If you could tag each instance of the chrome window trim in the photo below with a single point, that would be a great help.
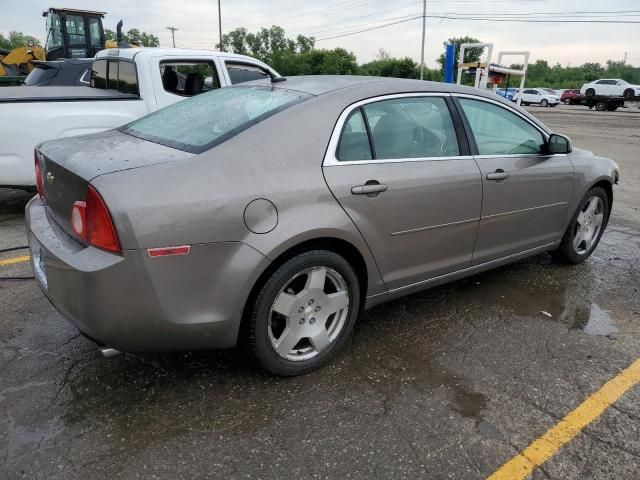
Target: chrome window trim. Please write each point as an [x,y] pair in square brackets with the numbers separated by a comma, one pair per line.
[330,158]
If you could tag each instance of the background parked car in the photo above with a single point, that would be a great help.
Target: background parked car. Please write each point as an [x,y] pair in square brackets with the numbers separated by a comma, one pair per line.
[508,94]
[125,84]
[538,96]
[610,87]
[72,72]
[569,96]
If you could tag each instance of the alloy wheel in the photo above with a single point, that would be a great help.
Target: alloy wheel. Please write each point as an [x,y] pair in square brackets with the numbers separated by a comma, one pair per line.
[309,313]
[588,225]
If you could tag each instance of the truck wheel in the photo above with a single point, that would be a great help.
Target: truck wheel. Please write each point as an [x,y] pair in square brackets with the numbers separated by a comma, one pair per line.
[590,92]
[601,106]
[628,93]
[586,228]
[544,103]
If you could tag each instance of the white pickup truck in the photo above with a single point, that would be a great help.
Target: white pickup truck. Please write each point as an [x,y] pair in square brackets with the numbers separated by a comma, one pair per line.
[125,84]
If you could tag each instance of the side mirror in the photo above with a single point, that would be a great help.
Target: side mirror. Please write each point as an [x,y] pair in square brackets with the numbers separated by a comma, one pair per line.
[558,144]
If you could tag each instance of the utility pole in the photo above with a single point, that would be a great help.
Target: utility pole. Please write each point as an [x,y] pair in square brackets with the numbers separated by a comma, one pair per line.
[424,27]
[220,25]
[625,58]
[173,35]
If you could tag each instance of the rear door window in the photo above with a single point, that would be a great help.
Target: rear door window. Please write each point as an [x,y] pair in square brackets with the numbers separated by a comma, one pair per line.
[188,78]
[119,75]
[244,72]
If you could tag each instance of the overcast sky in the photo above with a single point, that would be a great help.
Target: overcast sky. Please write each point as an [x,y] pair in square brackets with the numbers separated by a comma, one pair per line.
[197,21]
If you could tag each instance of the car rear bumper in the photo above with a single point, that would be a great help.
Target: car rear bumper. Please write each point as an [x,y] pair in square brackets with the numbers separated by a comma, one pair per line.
[136,303]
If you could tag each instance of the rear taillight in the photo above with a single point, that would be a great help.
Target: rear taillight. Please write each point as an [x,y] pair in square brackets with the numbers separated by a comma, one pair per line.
[91,222]
[38,174]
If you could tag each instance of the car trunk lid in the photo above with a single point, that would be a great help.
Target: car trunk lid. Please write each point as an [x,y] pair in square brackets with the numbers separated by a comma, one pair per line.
[68,165]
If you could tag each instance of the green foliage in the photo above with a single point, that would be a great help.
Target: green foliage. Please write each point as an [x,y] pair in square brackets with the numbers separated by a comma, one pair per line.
[16,40]
[134,36]
[290,56]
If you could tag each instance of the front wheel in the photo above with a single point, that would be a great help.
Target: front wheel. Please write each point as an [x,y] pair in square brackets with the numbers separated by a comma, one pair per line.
[628,93]
[544,102]
[304,313]
[586,228]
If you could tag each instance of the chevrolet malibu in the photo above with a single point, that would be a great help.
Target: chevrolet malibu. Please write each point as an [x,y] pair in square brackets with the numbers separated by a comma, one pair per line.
[273,213]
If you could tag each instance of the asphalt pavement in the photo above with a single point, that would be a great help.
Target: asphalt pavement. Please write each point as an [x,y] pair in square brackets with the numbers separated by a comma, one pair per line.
[448,383]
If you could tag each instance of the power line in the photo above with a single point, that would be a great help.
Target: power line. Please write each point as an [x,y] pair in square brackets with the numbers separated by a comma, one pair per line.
[369,29]
[453,16]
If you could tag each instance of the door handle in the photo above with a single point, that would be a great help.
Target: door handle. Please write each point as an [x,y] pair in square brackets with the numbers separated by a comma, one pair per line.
[498,175]
[370,188]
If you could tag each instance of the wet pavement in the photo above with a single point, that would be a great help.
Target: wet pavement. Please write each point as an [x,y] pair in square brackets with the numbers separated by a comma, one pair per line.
[448,383]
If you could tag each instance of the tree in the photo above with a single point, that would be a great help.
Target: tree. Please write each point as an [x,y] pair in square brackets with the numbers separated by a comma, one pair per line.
[269,44]
[134,36]
[391,67]
[17,40]
[470,54]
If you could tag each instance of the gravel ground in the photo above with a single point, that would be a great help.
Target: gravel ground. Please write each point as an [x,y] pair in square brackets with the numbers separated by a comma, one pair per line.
[447,383]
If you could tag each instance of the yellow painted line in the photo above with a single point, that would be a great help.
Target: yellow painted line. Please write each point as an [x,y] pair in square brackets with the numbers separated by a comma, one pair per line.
[542,449]
[9,261]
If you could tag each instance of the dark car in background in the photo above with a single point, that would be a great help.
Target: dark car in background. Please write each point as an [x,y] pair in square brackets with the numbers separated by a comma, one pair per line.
[569,97]
[72,72]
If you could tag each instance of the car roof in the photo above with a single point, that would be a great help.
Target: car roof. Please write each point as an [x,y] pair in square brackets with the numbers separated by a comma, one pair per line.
[166,52]
[322,84]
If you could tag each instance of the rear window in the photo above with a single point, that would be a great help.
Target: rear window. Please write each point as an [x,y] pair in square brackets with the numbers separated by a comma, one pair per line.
[204,121]
[115,75]
[40,75]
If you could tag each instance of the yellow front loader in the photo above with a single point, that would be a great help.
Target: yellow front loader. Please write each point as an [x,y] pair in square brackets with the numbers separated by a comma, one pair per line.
[70,34]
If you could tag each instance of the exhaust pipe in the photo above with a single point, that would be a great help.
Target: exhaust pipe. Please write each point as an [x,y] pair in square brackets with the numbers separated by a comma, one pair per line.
[108,352]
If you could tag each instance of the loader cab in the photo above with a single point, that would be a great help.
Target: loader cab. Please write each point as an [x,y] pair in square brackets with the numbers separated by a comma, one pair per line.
[73,33]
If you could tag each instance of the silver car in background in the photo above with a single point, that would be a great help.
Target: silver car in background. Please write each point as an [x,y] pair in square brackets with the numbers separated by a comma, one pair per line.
[276,212]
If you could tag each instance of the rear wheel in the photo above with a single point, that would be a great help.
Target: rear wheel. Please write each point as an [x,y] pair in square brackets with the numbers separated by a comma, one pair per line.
[628,93]
[590,92]
[601,106]
[586,228]
[304,313]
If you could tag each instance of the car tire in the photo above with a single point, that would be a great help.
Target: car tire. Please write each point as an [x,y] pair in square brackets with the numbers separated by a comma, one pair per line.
[601,106]
[583,233]
[590,92]
[544,103]
[286,308]
[628,93]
